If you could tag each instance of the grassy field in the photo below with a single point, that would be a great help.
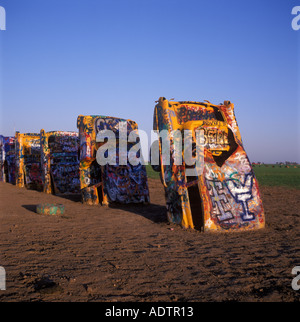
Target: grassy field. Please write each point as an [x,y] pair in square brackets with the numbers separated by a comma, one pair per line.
[267,175]
[151,173]
[273,175]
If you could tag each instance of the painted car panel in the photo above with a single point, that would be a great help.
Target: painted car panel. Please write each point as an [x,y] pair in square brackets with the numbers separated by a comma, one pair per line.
[108,183]
[28,161]
[7,159]
[60,162]
[225,196]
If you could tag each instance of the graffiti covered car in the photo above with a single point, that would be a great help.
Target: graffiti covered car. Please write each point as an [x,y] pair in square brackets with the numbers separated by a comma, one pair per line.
[7,159]
[28,161]
[60,162]
[223,194]
[108,183]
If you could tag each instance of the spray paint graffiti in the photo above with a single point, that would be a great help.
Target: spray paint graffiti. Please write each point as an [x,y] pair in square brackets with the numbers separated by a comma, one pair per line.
[108,183]
[193,112]
[60,163]
[242,193]
[7,159]
[219,201]
[225,195]
[28,161]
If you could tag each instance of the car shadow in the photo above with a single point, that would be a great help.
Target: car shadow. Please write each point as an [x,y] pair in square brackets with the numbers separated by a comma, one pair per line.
[74,197]
[155,213]
[30,207]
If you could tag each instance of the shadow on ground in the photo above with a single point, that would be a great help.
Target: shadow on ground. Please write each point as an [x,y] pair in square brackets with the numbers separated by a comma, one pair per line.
[153,212]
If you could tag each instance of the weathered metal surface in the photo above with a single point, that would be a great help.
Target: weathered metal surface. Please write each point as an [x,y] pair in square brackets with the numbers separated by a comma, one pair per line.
[7,159]
[60,162]
[108,183]
[225,195]
[28,161]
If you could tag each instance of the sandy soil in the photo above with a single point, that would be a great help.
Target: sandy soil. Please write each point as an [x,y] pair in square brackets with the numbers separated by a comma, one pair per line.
[131,253]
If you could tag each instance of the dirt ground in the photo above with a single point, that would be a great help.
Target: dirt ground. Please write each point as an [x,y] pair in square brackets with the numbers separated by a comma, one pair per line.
[131,253]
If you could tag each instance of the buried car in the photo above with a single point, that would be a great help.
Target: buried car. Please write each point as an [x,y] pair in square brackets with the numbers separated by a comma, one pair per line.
[119,182]
[7,159]
[28,161]
[60,162]
[218,193]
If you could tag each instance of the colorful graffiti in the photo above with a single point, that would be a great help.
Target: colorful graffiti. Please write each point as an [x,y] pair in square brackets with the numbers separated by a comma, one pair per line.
[28,161]
[7,159]
[59,162]
[108,183]
[225,195]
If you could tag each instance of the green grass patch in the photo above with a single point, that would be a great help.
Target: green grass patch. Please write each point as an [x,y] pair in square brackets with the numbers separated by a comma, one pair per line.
[273,175]
[267,175]
[151,173]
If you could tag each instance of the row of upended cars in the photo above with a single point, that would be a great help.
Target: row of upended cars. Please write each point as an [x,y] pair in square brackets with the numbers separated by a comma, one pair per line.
[222,196]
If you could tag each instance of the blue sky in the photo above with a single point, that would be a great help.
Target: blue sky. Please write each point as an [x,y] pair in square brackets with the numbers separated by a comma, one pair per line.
[62,58]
